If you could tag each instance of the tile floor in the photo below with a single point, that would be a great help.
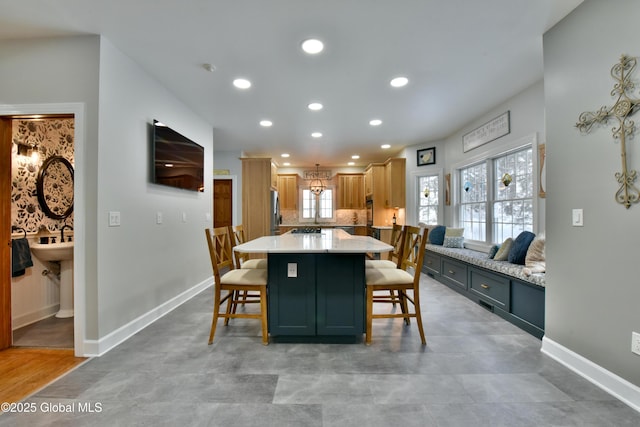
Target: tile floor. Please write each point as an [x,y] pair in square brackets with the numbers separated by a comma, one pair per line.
[50,333]
[476,370]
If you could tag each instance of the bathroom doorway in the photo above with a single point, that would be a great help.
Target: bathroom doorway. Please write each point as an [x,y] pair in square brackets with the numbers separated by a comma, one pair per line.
[42,158]
[19,324]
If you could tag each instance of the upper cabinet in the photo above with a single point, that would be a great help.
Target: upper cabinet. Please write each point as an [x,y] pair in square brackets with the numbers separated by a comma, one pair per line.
[351,191]
[395,183]
[288,191]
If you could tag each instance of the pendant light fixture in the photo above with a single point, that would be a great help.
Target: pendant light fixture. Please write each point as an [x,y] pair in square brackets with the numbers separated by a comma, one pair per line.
[317,185]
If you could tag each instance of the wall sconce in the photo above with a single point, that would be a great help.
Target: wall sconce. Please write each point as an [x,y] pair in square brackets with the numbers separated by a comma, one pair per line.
[28,151]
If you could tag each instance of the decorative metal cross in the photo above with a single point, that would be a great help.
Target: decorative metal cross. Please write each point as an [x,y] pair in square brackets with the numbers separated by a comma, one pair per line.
[624,107]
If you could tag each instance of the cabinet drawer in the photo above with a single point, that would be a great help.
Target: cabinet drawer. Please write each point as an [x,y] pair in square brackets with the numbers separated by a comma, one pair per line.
[431,263]
[491,288]
[455,272]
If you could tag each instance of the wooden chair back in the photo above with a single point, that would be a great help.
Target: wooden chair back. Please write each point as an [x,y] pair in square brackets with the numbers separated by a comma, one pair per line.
[397,234]
[238,238]
[414,241]
[219,242]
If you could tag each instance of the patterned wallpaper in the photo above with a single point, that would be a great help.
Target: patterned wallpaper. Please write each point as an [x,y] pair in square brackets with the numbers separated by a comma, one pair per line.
[54,137]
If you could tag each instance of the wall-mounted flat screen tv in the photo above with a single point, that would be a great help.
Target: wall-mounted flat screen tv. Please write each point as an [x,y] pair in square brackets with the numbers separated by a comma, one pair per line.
[177,160]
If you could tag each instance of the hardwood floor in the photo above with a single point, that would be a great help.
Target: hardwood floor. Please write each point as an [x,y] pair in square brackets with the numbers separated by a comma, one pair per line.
[26,370]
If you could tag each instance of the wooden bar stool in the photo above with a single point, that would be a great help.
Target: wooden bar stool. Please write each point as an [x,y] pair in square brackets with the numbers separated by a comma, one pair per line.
[234,281]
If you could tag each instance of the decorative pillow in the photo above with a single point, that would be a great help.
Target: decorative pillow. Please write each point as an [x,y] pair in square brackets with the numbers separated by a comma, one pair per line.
[436,235]
[454,232]
[535,259]
[518,251]
[493,250]
[453,242]
[503,252]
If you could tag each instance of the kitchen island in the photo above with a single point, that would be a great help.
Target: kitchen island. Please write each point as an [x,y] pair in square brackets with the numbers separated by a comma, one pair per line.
[316,284]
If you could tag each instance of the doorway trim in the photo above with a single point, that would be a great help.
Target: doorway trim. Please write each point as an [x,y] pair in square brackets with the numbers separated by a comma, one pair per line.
[234,195]
[79,215]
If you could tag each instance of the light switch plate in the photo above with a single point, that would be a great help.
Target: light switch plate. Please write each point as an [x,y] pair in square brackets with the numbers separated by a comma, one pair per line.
[577,218]
[158,217]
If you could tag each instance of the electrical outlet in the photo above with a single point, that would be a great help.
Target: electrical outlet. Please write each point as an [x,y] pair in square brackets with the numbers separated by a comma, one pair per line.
[292,269]
[635,343]
[114,219]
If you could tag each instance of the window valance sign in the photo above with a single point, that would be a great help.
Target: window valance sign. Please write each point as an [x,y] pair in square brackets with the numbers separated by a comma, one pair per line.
[490,131]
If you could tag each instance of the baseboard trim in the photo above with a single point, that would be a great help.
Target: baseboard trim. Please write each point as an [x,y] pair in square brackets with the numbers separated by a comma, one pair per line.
[93,348]
[34,316]
[606,380]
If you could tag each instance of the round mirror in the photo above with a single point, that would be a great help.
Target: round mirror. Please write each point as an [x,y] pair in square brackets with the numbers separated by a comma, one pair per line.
[55,187]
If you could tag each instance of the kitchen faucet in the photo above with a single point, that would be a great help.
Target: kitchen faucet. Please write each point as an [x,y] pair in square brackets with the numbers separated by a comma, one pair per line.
[62,232]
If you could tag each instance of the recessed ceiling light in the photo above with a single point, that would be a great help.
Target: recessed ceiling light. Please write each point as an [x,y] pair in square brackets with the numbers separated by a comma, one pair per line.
[285,155]
[316,134]
[351,163]
[242,83]
[312,46]
[355,157]
[286,164]
[266,123]
[399,81]
[315,106]
[385,146]
[375,122]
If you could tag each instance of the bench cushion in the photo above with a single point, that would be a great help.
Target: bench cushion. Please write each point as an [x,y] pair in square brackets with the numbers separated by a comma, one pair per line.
[481,259]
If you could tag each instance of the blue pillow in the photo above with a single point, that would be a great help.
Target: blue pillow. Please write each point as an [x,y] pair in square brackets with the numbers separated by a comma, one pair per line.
[493,251]
[436,236]
[518,252]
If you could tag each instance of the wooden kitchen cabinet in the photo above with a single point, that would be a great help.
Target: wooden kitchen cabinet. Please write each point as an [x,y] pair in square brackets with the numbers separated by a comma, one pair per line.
[395,183]
[288,191]
[257,184]
[351,191]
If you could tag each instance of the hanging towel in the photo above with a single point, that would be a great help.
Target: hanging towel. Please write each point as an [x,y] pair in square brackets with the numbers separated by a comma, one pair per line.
[20,256]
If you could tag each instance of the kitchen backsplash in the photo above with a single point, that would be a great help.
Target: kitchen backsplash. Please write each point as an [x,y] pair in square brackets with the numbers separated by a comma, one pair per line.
[343,217]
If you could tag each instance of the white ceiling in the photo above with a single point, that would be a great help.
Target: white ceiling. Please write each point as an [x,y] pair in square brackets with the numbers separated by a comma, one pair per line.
[461,57]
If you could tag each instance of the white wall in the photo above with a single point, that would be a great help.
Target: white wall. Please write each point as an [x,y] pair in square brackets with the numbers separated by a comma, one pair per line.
[592,282]
[125,273]
[527,120]
[142,264]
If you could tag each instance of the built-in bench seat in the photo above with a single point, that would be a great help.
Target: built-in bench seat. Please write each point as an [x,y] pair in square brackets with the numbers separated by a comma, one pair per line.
[481,259]
[499,286]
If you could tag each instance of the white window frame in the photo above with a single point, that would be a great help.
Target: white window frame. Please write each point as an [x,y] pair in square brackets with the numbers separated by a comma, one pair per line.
[419,195]
[488,155]
[318,220]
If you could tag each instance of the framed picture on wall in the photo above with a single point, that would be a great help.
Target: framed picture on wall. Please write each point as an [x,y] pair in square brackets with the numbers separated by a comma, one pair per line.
[427,156]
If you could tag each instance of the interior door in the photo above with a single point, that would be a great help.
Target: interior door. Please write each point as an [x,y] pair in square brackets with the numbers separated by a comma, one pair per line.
[5,233]
[222,202]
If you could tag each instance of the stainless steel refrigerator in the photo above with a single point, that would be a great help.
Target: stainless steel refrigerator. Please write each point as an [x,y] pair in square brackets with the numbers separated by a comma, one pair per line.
[276,218]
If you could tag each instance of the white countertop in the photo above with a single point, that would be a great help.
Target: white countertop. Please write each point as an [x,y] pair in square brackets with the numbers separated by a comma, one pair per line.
[328,241]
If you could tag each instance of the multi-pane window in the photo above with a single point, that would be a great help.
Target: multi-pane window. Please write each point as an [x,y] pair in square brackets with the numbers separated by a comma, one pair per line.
[473,201]
[324,210]
[513,203]
[504,208]
[428,199]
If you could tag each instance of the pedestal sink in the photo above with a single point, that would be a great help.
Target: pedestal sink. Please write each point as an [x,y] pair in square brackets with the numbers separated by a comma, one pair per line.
[62,253]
